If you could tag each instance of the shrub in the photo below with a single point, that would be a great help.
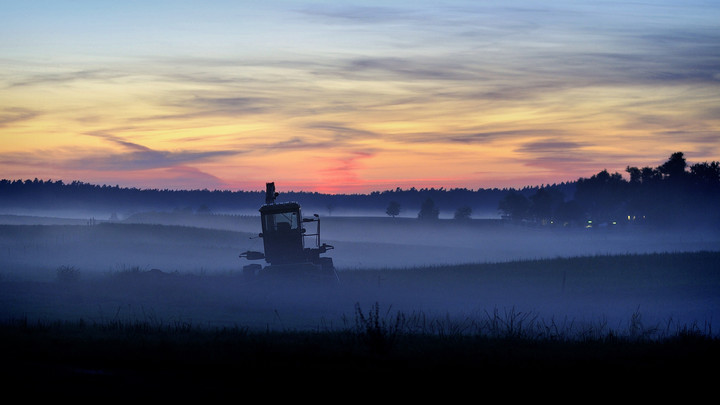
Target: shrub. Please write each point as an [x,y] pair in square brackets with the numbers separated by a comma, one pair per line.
[378,334]
[66,274]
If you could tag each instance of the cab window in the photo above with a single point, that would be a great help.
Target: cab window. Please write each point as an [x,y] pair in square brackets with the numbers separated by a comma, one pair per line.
[281,221]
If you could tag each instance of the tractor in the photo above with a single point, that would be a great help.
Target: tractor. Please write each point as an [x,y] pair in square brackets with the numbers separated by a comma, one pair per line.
[284,241]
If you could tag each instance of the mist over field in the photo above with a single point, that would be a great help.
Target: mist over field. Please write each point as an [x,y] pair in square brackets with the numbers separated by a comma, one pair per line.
[171,267]
[191,243]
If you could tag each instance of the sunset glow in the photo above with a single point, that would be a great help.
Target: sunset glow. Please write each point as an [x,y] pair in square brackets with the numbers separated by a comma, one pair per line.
[354,97]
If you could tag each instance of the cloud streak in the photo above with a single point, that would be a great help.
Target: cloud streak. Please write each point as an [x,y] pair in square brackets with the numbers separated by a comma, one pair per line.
[13,115]
[134,156]
[64,77]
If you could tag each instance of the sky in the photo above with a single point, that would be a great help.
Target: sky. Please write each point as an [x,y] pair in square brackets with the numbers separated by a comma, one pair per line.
[354,97]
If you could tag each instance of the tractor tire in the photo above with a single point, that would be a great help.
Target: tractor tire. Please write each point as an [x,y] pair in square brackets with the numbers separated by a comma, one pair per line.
[327,264]
[250,271]
[328,268]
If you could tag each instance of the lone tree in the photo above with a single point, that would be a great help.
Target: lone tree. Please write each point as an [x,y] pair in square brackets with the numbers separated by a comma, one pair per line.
[393,209]
[463,213]
[428,210]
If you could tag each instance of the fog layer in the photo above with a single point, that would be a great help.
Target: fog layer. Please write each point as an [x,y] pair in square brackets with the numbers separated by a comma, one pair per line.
[170,268]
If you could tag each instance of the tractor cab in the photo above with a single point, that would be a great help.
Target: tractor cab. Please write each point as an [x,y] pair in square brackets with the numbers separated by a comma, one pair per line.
[283,234]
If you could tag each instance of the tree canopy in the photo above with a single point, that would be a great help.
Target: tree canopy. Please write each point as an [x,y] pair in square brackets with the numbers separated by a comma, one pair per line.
[672,194]
[393,209]
[428,210]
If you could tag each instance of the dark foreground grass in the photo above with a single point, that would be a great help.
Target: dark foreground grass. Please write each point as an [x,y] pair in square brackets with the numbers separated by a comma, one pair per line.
[182,361]
[507,354]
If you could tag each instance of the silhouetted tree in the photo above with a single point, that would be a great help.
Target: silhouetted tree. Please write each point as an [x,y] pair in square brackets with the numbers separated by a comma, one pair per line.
[545,203]
[635,174]
[603,196]
[428,210]
[463,213]
[393,209]
[675,166]
[570,213]
[703,194]
[706,176]
[515,205]
[650,175]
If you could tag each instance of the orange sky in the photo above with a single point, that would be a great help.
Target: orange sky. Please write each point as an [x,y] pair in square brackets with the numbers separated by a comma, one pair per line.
[353,97]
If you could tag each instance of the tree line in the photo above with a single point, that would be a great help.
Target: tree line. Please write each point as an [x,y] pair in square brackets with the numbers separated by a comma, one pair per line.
[673,193]
[76,195]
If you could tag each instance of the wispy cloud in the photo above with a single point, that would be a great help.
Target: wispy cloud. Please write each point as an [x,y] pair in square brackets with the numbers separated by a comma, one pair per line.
[62,77]
[489,136]
[13,115]
[340,133]
[134,156]
[294,143]
[339,13]
[220,106]
[183,178]
[553,146]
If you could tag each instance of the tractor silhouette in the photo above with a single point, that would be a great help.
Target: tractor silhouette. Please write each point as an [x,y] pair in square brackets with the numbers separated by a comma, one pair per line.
[284,241]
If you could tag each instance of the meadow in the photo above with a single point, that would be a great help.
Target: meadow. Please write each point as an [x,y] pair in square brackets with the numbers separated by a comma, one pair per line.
[161,297]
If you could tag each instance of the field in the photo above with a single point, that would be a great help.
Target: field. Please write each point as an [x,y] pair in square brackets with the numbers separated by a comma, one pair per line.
[162,296]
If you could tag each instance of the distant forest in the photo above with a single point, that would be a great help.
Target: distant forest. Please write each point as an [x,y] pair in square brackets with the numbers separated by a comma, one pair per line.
[672,194]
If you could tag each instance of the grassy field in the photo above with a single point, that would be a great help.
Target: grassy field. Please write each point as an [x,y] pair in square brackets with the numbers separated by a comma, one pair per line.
[79,315]
[140,359]
[122,333]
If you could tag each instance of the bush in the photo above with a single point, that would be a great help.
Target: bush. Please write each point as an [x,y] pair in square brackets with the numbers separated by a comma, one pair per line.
[66,274]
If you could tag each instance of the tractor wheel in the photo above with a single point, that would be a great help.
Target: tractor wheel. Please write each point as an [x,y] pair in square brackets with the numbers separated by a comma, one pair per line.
[328,268]
[250,271]
[327,264]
